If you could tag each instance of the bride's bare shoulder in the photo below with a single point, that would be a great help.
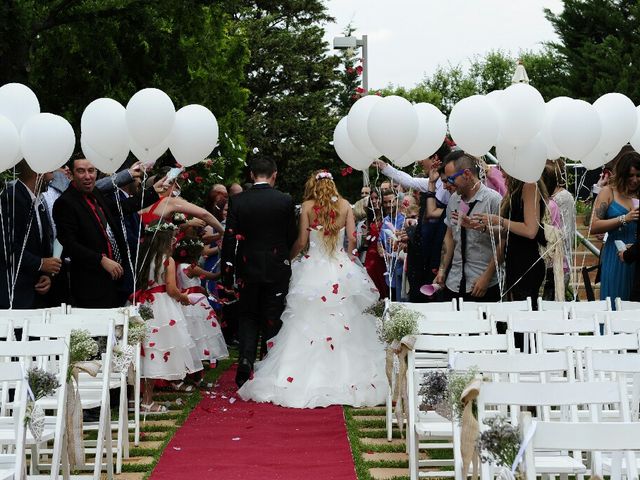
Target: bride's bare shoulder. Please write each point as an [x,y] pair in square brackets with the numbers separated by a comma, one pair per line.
[307,205]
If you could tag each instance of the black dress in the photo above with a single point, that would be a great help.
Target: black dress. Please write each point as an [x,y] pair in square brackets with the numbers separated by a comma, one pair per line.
[524,269]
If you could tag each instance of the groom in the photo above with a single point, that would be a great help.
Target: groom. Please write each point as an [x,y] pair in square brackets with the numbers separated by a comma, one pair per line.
[260,231]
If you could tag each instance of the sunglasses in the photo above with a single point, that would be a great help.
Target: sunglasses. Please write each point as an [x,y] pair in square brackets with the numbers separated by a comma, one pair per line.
[451,179]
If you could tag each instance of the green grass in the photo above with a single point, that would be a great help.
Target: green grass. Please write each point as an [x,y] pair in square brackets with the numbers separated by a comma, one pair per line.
[357,448]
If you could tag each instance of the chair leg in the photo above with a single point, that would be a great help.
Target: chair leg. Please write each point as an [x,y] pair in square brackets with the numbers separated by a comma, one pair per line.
[389,417]
[136,400]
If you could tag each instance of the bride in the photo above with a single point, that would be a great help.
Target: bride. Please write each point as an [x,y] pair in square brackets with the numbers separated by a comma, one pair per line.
[326,352]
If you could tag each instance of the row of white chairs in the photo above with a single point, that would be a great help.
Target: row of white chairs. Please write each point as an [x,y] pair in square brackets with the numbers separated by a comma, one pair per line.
[430,426]
[94,392]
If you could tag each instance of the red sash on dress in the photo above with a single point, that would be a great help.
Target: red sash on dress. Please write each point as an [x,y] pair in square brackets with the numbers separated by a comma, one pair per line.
[142,296]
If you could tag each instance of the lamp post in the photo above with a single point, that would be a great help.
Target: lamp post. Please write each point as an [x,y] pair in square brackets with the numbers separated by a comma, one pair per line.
[345,43]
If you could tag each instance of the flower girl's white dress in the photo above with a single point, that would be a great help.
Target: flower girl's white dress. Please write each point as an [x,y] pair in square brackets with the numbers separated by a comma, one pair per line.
[327,351]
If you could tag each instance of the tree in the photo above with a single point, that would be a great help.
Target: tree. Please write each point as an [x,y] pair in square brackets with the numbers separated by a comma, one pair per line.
[292,81]
[71,52]
[600,44]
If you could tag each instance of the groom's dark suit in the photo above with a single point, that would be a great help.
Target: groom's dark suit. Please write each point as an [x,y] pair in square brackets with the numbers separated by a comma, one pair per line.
[260,231]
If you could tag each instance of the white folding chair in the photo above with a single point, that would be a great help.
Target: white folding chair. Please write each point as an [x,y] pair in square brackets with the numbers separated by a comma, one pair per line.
[120,316]
[13,465]
[92,394]
[54,429]
[429,426]
[547,395]
[528,323]
[626,321]
[441,323]
[33,314]
[496,307]
[592,436]
[430,307]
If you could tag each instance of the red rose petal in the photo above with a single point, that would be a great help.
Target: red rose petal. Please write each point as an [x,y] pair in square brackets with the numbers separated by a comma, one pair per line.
[331,346]
[346,328]
[172,322]
[329,339]
[214,324]
[289,379]
[152,344]
[152,356]
[206,352]
[155,330]
[269,344]
[335,288]
[323,298]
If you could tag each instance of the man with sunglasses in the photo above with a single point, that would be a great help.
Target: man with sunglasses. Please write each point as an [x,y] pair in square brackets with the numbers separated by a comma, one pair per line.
[467,266]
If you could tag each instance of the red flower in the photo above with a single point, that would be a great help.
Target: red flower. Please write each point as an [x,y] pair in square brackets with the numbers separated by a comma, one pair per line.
[198,179]
[183,253]
[185,175]
[359,69]
[350,70]
[360,90]
[208,163]
[239,237]
[172,322]
[290,379]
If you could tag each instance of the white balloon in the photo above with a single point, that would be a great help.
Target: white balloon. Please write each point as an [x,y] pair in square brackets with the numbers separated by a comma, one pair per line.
[106,165]
[357,125]
[393,126]
[18,103]
[521,113]
[346,150]
[9,143]
[495,97]
[148,156]
[104,128]
[150,117]
[525,162]
[635,139]
[47,142]
[618,118]
[473,125]
[551,108]
[432,128]
[598,157]
[575,129]
[194,135]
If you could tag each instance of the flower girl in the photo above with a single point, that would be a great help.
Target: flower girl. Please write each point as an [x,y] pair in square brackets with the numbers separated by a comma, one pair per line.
[201,318]
[169,352]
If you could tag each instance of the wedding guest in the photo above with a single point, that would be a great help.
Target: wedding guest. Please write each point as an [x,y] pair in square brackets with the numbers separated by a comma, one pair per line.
[234,189]
[216,193]
[615,211]
[26,243]
[374,257]
[467,267]
[169,351]
[92,237]
[391,224]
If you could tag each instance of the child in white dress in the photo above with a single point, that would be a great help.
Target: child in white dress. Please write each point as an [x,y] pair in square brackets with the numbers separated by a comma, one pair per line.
[169,352]
[201,318]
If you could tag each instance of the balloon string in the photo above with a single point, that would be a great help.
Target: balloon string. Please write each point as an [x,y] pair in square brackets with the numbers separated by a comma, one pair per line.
[5,229]
[39,182]
[122,225]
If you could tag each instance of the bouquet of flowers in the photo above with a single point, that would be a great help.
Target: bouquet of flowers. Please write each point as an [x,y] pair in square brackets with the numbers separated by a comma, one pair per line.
[397,323]
[377,309]
[41,384]
[441,391]
[179,218]
[145,311]
[82,349]
[500,443]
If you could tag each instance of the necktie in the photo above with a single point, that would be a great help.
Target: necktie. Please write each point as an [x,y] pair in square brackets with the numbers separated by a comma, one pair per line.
[46,237]
[115,252]
[463,250]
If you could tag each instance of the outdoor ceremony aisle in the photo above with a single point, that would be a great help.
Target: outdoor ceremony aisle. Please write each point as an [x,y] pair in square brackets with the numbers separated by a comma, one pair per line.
[225,438]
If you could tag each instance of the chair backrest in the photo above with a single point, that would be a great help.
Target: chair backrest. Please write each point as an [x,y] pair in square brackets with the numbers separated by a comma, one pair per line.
[88,317]
[6,329]
[624,341]
[459,343]
[454,327]
[622,322]
[584,436]
[512,362]
[427,308]
[556,321]
[19,317]
[622,305]
[593,306]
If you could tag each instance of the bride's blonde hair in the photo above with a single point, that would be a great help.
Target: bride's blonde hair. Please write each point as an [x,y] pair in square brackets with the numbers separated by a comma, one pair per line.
[321,189]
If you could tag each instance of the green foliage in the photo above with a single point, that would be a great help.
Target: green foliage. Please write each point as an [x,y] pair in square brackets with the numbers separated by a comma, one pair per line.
[72,52]
[600,44]
[292,81]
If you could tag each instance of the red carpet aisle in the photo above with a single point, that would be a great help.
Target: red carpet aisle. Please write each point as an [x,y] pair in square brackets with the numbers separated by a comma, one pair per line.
[227,439]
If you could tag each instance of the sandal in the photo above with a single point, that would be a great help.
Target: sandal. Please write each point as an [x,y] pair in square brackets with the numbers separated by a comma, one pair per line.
[182,387]
[152,409]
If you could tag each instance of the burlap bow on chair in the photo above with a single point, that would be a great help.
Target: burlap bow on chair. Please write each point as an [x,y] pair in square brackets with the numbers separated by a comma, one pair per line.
[398,382]
[469,428]
[75,447]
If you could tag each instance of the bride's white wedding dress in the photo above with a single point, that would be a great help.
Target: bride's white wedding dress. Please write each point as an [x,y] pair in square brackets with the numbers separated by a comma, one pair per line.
[326,352]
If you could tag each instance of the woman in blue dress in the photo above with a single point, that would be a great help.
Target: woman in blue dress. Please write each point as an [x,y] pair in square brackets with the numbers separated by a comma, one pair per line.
[615,212]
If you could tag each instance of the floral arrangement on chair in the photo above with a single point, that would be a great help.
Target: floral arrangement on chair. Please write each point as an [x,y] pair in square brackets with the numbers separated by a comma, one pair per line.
[441,391]
[41,384]
[499,445]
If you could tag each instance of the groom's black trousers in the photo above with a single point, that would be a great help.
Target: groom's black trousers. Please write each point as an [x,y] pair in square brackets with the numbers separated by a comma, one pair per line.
[260,308]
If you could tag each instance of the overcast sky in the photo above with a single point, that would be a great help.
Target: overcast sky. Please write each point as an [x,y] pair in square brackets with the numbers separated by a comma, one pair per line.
[410,38]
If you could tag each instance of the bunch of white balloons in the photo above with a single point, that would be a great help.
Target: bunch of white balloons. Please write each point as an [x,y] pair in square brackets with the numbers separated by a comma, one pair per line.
[389,126]
[44,140]
[147,127]
[525,130]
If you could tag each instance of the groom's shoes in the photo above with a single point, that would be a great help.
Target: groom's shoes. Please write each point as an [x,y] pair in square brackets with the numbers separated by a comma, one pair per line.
[244,371]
